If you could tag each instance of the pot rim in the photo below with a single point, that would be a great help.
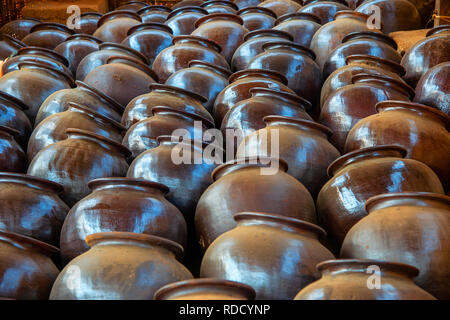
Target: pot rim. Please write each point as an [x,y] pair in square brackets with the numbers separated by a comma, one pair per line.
[204,42]
[291,45]
[267,32]
[134,63]
[84,37]
[226,73]
[113,45]
[18,103]
[51,25]
[165,87]
[52,54]
[26,242]
[106,119]
[11,131]
[437,30]
[186,9]
[403,86]
[224,2]
[351,13]
[91,13]
[105,18]
[149,26]
[263,73]
[394,65]
[216,16]
[99,182]
[190,142]
[110,101]
[36,181]
[262,10]
[68,77]
[307,123]
[371,35]
[300,16]
[208,123]
[290,96]
[150,8]
[12,39]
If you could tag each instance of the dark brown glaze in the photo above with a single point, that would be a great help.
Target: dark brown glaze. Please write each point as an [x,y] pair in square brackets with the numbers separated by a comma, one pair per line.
[133,6]
[121,204]
[420,129]
[20,28]
[187,3]
[88,22]
[154,14]
[301,26]
[80,158]
[242,4]
[259,247]
[281,7]
[121,266]
[325,10]
[396,224]
[31,207]
[12,156]
[114,26]
[257,184]
[340,203]
[47,35]
[9,45]
[303,144]
[30,261]
[256,18]
[184,50]
[182,20]
[219,6]
[12,115]
[347,279]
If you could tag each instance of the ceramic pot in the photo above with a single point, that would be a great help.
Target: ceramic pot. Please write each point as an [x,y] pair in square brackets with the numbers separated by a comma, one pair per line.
[219,6]
[132,6]
[301,26]
[9,45]
[121,266]
[154,14]
[12,156]
[182,20]
[12,115]
[256,18]
[186,3]
[257,249]
[88,22]
[325,10]
[114,26]
[242,4]
[281,7]
[20,28]
[396,223]
[47,35]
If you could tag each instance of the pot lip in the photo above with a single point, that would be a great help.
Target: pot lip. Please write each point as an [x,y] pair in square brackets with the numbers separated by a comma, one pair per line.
[115,105]
[438,29]
[293,222]
[165,87]
[186,9]
[52,25]
[95,183]
[27,18]
[205,283]
[113,122]
[306,50]
[403,85]
[274,75]
[352,156]
[19,239]
[149,25]
[396,66]
[150,8]
[350,12]
[124,48]
[170,245]
[11,131]
[267,32]
[136,64]
[300,16]
[291,96]
[262,10]
[303,122]
[12,39]
[209,43]
[18,103]
[130,14]
[227,73]
[379,36]
[91,13]
[226,16]
[208,123]
[48,53]
[68,77]
[48,184]
[224,2]
[83,37]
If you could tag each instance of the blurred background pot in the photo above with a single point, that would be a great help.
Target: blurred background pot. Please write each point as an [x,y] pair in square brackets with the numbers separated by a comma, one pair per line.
[114,26]
[325,10]
[182,20]
[281,7]
[47,35]
[256,18]
[20,28]
[154,14]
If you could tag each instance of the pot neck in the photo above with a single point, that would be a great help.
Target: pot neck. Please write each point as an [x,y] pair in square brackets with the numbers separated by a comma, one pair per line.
[289,46]
[100,96]
[126,50]
[443,29]
[383,64]
[8,132]
[27,243]
[298,16]
[268,33]
[258,73]
[198,41]
[377,36]
[171,112]
[31,182]
[385,82]
[186,9]
[216,69]
[134,63]
[149,26]
[289,98]
[117,14]
[301,124]
[260,10]
[177,91]
[128,183]
[229,17]
[75,107]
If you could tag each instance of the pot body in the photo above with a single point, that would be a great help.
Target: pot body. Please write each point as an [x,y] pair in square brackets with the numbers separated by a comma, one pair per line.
[12,115]
[325,10]
[46,38]
[115,30]
[256,18]
[301,30]
[19,28]
[182,20]
[12,156]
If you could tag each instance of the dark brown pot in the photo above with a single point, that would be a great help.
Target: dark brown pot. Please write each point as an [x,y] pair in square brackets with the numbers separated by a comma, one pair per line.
[121,266]
[154,14]
[121,204]
[20,28]
[225,29]
[346,106]
[253,46]
[303,144]
[12,115]
[187,3]
[122,78]
[340,203]
[268,180]
[182,20]
[184,50]
[242,4]
[53,128]
[149,39]
[256,18]
[261,245]
[12,157]
[205,289]
[9,45]
[325,10]
[396,223]
[133,6]
[82,157]
[30,262]
[348,279]
[88,22]
[114,26]
[47,35]
[281,7]
[31,207]
[219,6]
[301,26]
[420,129]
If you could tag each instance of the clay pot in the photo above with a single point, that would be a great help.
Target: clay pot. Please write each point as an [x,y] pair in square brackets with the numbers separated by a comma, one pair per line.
[303,144]
[347,279]
[281,7]
[187,3]
[143,135]
[396,223]
[242,4]
[154,14]
[418,128]
[12,115]
[239,89]
[9,45]
[346,106]
[397,15]
[114,26]
[253,46]
[269,181]
[31,207]
[121,266]
[12,157]
[205,289]
[33,83]
[133,6]
[29,260]
[366,42]
[182,20]
[84,95]
[219,6]
[433,88]
[82,157]
[20,28]
[140,108]
[121,204]
[426,53]
[325,10]
[340,203]
[256,18]
[301,26]
[122,78]
[47,35]
[259,247]
[149,39]
[184,50]
[88,22]
[76,47]
[53,128]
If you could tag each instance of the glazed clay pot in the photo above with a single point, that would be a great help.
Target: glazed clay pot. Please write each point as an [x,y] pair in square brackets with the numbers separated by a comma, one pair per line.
[82,157]
[257,249]
[121,204]
[149,39]
[281,7]
[53,128]
[182,20]
[433,88]
[133,6]
[201,78]
[121,266]
[114,26]
[257,183]
[31,207]
[184,50]
[420,129]
[12,157]
[186,3]
[349,104]
[140,108]
[154,14]
[20,28]
[347,279]
[301,26]
[47,35]
[396,223]
[303,144]
[340,203]
[9,45]
[256,18]
[29,260]
[205,289]
[219,6]
[88,22]
[12,115]
[242,4]
[253,46]
[325,10]
[122,78]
